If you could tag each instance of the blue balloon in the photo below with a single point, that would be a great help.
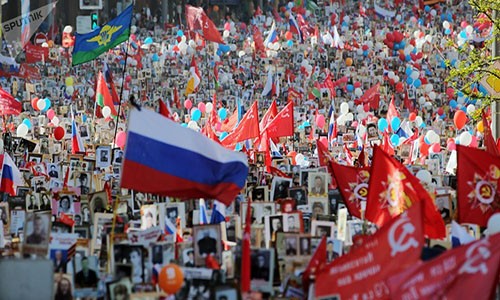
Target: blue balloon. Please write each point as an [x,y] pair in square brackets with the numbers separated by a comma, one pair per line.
[155,57]
[395,124]
[426,141]
[408,71]
[453,103]
[447,31]
[365,53]
[148,40]
[223,135]
[463,34]
[464,109]
[180,33]
[395,139]
[382,124]
[238,147]
[47,104]
[195,115]
[417,83]
[27,122]
[422,124]
[184,125]
[427,8]
[224,48]
[409,80]
[350,88]
[306,124]
[222,114]
[289,43]
[219,52]
[84,118]
[408,57]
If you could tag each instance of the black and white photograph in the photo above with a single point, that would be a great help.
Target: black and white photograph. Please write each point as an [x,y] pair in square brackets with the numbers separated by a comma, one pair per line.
[226,293]
[262,269]
[98,202]
[299,194]
[84,132]
[260,193]
[273,225]
[149,216]
[86,272]
[207,241]
[45,201]
[260,159]
[279,188]
[121,289]
[305,245]
[32,202]
[83,182]
[40,184]
[323,228]
[188,257]
[372,131]
[66,204]
[443,204]
[170,212]
[102,224]
[54,170]
[44,147]
[292,222]
[37,232]
[134,255]
[355,227]
[103,156]
[319,206]
[318,184]
[291,244]
[117,156]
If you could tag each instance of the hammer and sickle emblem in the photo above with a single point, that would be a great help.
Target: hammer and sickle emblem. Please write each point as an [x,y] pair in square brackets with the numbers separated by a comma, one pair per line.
[403,241]
[476,255]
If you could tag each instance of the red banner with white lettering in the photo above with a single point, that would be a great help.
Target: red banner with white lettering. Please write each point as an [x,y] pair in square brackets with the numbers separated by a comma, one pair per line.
[361,274]
[467,272]
[35,54]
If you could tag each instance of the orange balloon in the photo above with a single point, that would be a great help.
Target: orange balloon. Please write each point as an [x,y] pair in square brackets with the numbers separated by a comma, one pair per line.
[459,119]
[216,8]
[348,61]
[480,126]
[171,278]
[288,35]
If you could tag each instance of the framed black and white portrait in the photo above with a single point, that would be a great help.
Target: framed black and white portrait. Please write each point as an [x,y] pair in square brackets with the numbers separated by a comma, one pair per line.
[323,228]
[299,194]
[103,156]
[149,216]
[32,201]
[262,270]
[169,214]
[98,203]
[207,241]
[318,184]
[131,254]
[319,206]
[272,226]
[84,131]
[121,289]
[37,232]
[83,182]
[305,245]
[86,272]
[279,188]
[54,170]
[66,204]
[117,156]
[292,222]
[260,193]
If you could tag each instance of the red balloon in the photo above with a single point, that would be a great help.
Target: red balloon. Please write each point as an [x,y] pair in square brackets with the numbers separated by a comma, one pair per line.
[34,103]
[436,148]
[440,111]
[390,37]
[412,116]
[366,107]
[288,35]
[390,45]
[450,92]
[424,148]
[59,133]
[357,84]
[399,87]
[460,119]
[402,56]
[365,47]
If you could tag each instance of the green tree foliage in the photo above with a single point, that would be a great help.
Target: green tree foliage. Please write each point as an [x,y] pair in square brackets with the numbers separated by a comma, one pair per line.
[475,57]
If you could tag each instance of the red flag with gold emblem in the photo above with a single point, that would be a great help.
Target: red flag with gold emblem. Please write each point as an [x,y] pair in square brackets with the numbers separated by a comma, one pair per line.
[478,175]
[353,185]
[325,158]
[247,129]
[393,189]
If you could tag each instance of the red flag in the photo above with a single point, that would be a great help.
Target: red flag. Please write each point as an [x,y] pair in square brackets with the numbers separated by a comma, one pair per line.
[247,129]
[467,272]
[325,158]
[386,144]
[316,264]
[8,104]
[198,20]
[164,111]
[102,93]
[478,176]
[259,41]
[245,252]
[392,111]
[362,158]
[393,189]
[177,102]
[282,124]
[489,141]
[270,114]
[278,173]
[353,185]
[360,274]
[371,96]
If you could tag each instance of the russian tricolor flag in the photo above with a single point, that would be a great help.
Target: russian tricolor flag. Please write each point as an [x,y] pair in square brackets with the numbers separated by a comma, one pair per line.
[11,176]
[76,139]
[218,213]
[164,158]
[272,36]
[294,27]
[203,213]
[459,236]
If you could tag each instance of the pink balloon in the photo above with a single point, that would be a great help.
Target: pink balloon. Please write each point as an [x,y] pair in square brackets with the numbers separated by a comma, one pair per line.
[474,143]
[121,138]
[51,114]
[436,148]
[227,26]
[451,146]
[320,121]
[201,107]
[188,104]
[354,124]
[323,140]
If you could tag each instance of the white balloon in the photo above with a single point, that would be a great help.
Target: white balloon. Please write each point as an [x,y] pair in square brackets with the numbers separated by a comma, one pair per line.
[182,45]
[55,121]
[469,29]
[193,125]
[432,96]
[299,158]
[493,224]
[391,74]
[424,176]
[1,145]
[396,79]
[446,25]
[360,109]
[421,100]
[22,130]
[41,104]
[358,92]
[69,90]
[428,88]
[465,138]
[347,19]
[341,120]
[241,53]
[183,38]
[344,108]
[133,29]
[351,104]
[471,108]
[106,111]
[428,38]
[192,44]
[68,29]
[419,121]
[433,12]
[432,136]
[414,75]
[209,107]
[225,34]
[349,117]
[90,92]
[233,47]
